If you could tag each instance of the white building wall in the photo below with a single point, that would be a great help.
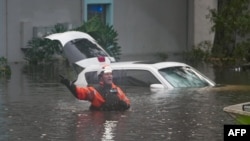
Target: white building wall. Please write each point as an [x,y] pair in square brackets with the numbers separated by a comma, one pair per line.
[149,26]
[2,29]
[202,25]
[23,15]
[144,26]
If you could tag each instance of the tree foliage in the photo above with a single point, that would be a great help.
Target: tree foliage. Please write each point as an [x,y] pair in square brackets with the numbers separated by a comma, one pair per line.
[232,27]
[4,67]
[104,34]
[41,49]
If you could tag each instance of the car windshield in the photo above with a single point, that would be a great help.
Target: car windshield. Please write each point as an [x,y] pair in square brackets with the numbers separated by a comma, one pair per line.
[181,77]
[87,48]
[80,49]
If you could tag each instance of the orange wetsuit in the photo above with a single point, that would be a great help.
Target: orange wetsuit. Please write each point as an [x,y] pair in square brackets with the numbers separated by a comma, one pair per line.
[103,97]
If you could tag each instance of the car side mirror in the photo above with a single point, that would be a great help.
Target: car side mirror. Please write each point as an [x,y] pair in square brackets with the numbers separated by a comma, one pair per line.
[156,86]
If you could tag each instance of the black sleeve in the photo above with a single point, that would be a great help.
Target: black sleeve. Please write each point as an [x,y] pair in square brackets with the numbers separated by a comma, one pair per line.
[70,85]
[72,88]
[123,105]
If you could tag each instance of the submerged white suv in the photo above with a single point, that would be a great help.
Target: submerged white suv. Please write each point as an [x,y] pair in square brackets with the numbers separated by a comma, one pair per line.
[85,53]
[149,74]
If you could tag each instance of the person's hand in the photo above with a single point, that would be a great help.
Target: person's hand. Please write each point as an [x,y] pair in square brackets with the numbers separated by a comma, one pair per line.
[123,105]
[69,85]
[64,81]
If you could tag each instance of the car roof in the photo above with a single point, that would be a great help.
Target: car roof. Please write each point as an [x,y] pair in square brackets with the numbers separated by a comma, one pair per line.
[141,64]
[67,36]
[136,65]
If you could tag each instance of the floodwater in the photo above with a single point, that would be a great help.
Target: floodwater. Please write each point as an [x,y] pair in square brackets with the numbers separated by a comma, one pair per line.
[34,106]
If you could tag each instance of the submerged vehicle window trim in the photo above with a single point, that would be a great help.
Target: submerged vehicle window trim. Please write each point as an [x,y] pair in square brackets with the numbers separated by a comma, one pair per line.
[197,75]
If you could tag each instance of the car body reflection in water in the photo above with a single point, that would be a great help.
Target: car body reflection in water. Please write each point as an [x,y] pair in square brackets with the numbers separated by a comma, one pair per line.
[35,106]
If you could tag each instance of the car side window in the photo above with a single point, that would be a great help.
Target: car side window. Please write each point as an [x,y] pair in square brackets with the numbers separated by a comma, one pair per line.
[91,78]
[141,78]
[87,48]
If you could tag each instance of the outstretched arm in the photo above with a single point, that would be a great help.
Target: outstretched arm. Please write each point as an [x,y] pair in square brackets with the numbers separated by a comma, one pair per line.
[82,93]
[71,86]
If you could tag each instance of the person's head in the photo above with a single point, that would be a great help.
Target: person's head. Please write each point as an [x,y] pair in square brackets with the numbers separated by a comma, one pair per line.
[105,74]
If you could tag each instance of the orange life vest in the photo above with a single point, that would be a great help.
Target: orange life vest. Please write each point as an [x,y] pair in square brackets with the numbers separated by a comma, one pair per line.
[98,98]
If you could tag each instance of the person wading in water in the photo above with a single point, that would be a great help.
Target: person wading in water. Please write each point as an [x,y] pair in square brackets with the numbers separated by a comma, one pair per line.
[106,96]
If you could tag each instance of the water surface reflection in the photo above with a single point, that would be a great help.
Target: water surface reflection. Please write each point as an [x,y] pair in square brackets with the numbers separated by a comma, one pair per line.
[34,106]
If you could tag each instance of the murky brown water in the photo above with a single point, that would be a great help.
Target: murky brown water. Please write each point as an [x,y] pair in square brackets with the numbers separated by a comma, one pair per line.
[35,106]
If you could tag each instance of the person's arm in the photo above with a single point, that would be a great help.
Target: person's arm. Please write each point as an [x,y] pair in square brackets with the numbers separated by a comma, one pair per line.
[122,96]
[124,101]
[85,93]
[71,86]
[82,93]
